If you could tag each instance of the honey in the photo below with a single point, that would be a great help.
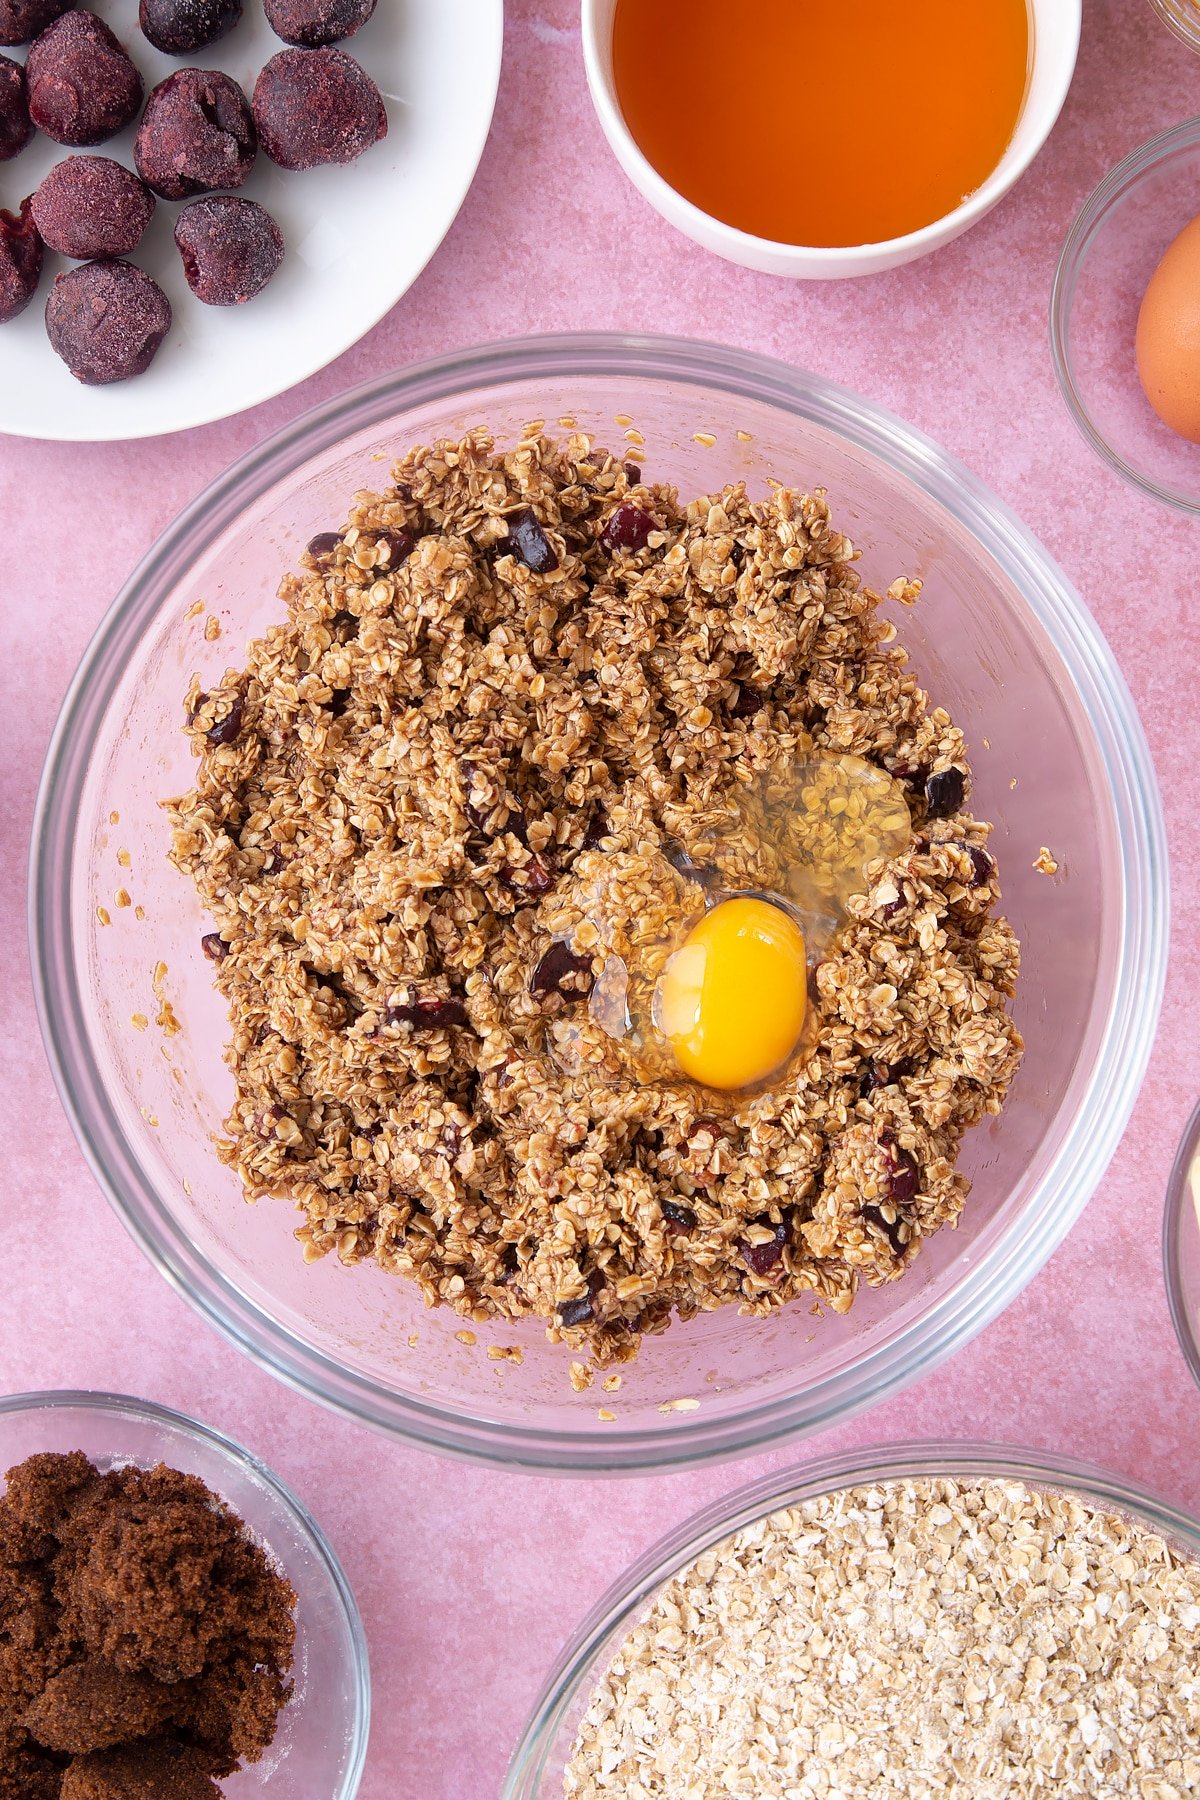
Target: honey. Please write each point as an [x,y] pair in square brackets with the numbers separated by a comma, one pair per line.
[823,122]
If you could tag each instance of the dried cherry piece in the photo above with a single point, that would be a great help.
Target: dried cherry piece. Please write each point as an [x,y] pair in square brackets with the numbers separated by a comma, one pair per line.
[22,20]
[582,1310]
[16,126]
[434,1013]
[92,206]
[532,878]
[748,702]
[106,320]
[181,27]
[890,1226]
[20,261]
[944,792]
[82,86]
[313,23]
[324,544]
[983,866]
[679,1218]
[400,543]
[196,134]
[904,1175]
[214,946]
[230,248]
[316,106]
[561,970]
[225,730]
[597,829]
[528,542]
[627,528]
[633,474]
[760,1259]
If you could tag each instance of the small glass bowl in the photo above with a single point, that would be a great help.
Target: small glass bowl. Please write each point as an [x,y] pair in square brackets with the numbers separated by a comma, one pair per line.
[1181,1244]
[321,1742]
[1112,250]
[1182,17]
[536,1770]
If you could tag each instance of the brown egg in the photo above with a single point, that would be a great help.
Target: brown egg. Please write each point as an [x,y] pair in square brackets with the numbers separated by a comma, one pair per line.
[1168,335]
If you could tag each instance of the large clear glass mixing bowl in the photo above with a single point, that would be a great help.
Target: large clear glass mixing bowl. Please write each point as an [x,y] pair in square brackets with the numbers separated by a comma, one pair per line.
[998,637]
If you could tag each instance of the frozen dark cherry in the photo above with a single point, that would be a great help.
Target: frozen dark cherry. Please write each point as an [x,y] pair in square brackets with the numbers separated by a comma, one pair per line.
[181,27]
[944,793]
[16,126]
[22,20]
[313,23]
[92,206]
[230,249]
[20,261]
[627,528]
[106,320]
[196,135]
[316,106]
[82,86]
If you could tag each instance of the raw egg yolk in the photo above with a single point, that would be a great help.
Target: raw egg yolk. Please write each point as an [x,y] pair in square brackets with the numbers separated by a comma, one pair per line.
[731,999]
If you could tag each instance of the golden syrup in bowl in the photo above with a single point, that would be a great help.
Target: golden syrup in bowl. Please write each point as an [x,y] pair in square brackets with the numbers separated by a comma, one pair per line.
[823,122]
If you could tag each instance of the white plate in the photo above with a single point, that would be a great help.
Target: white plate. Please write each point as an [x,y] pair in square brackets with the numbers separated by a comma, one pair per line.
[357,236]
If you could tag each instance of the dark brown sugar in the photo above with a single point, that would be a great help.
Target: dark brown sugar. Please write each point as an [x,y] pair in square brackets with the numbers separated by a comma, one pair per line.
[145,1639]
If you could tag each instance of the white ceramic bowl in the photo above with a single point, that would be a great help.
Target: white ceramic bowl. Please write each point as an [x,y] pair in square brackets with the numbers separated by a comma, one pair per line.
[1055,26]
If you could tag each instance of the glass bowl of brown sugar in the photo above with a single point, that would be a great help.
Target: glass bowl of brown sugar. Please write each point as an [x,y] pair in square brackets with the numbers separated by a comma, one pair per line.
[151,1677]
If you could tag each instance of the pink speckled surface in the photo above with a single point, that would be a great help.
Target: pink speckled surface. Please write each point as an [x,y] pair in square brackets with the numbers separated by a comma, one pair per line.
[469,1580]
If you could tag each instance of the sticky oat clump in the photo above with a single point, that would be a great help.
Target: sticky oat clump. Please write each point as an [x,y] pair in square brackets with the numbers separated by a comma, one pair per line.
[514,677]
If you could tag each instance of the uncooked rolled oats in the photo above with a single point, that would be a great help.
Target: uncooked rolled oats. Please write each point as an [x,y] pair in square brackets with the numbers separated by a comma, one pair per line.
[911,1640]
[512,681]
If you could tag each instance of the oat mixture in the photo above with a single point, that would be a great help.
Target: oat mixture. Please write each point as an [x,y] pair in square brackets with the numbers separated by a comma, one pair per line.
[506,730]
[978,1640]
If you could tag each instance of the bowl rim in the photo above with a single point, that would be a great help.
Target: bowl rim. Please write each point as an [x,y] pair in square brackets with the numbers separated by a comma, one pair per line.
[632,1592]
[1107,1096]
[848,259]
[1179,1207]
[1120,179]
[119,1406]
[1186,33]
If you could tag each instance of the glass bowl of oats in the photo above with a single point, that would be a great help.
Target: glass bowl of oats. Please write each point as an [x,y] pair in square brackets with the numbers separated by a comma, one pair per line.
[527,708]
[978,1616]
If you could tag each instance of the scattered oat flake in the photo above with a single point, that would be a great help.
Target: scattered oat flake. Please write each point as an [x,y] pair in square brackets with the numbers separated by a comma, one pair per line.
[212,628]
[139,912]
[167,1020]
[139,1021]
[611,1383]
[568,423]
[114,818]
[104,916]
[581,1377]
[466,1337]
[605,1417]
[158,977]
[1013,785]
[123,897]
[707,438]
[1045,863]
[414,1338]
[187,1186]
[683,1405]
[124,858]
[506,1353]
[194,610]
[623,419]
[744,437]
[987,743]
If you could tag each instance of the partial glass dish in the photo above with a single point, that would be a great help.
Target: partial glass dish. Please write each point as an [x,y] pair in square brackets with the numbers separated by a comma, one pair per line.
[998,637]
[1182,17]
[536,1769]
[1112,250]
[321,1743]
[1181,1244]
